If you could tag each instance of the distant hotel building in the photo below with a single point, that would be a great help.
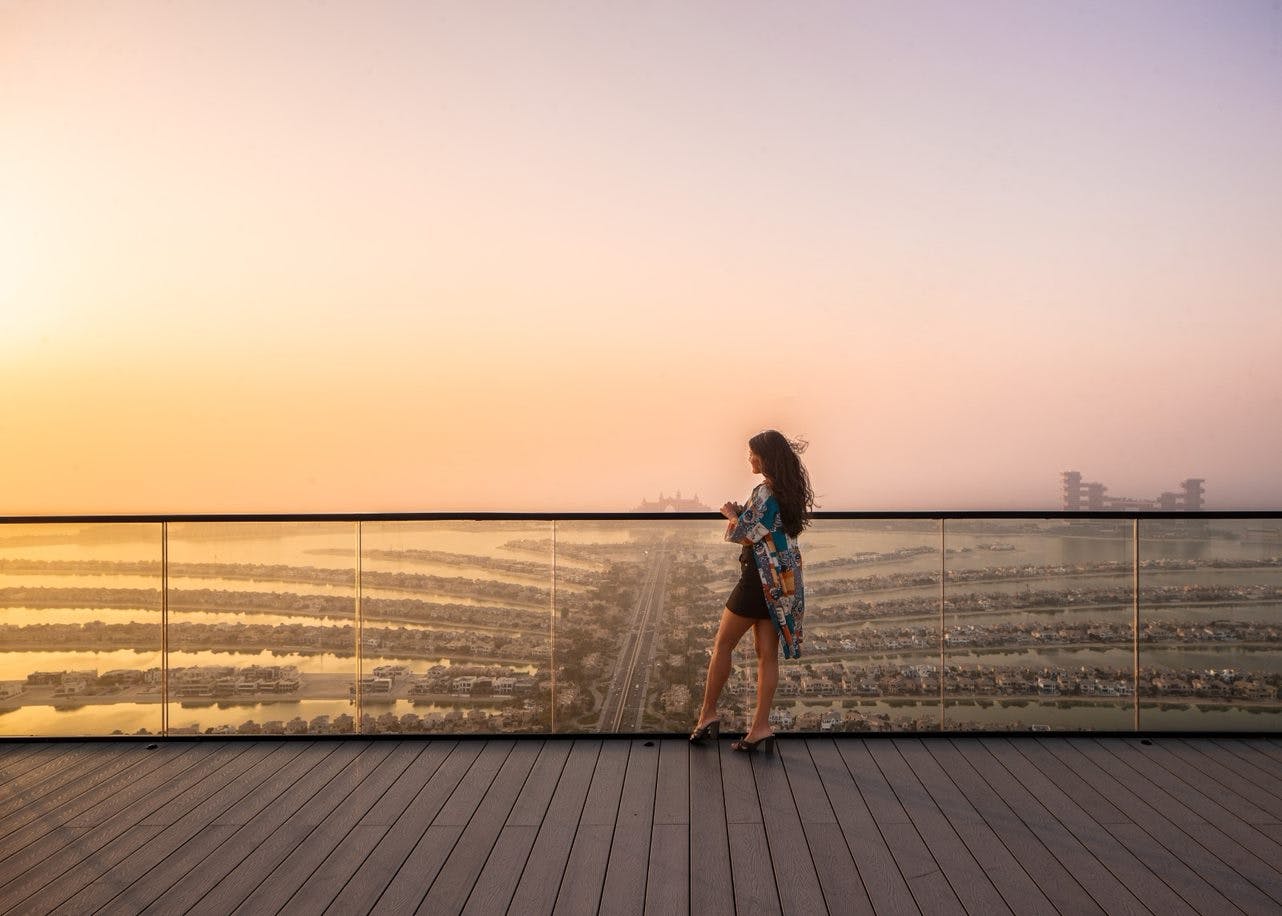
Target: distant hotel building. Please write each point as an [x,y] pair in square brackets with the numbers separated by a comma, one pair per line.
[673,504]
[1092,496]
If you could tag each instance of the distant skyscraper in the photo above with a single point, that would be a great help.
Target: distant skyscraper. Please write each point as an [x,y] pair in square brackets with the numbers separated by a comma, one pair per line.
[1093,496]
[1193,491]
[1072,490]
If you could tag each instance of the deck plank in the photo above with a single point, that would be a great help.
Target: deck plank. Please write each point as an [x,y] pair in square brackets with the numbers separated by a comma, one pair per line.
[274,840]
[667,888]
[1138,879]
[755,888]
[285,878]
[891,824]
[1009,851]
[601,808]
[401,795]
[1209,756]
[585,867]
[1271,747]
[1231,858]
[54,761]
[379,868]
[1204,794]
[789,849]
[18,758]
[580,888]
[12,753]
[738,786]
[753,879]
[215,793]
[1246,752]
[536,891]
[272,777]
[625,874]
[1201,791]
[1066,871]
[51,775]
[911,855]
[1185,846]
[458,874]
[410,883]
[501,872]
[672,788]
[259,815]
[167,781]
[1244,777]
[839,881]
[711,890]
[73,865]
[28,824]
[887,890]
[973,887]
[133,837]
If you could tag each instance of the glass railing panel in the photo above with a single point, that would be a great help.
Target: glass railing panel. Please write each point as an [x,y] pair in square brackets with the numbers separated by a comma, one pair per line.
[477,626]
[1210,624]
[1038,625]
[456,627]
[80,629]
[870,658]
[637,604]
[262,628]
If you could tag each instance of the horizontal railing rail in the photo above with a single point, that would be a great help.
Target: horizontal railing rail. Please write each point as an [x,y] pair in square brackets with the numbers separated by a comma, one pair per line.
[819,515]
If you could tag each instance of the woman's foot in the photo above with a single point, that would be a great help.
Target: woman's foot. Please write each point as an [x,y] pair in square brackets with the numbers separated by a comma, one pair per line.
[707,729]
[766,742]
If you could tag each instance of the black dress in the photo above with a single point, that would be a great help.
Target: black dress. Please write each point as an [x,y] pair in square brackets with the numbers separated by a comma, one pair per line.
[748,599]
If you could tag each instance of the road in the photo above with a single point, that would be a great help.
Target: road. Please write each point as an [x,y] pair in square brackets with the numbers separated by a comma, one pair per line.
[625,700]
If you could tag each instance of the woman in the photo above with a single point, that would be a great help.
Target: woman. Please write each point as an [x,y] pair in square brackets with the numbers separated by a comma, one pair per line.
[768,599]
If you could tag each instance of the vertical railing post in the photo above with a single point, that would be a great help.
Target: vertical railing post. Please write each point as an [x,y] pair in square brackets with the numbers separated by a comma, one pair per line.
[552,636]
[1135,619]
[358,628]
[942,573]
[164,629]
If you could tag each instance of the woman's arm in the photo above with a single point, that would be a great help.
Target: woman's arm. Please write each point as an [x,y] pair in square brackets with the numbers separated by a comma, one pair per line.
[755,521]
[730,526]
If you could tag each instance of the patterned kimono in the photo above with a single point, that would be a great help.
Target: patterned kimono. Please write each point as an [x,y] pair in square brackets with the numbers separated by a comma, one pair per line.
[778,563]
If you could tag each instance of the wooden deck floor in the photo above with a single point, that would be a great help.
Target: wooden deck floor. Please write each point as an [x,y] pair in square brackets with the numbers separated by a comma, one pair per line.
[622,825]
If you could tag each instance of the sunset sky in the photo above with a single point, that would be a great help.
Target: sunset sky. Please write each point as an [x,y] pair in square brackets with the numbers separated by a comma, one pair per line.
[378,256]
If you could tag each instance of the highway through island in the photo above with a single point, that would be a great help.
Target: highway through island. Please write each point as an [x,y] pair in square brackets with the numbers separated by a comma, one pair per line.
[624,703]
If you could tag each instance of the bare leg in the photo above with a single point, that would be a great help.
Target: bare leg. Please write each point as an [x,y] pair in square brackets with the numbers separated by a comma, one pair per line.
[729,633]
[767,639]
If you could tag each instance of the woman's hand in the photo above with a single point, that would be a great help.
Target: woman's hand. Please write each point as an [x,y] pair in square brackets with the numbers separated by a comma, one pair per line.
[731,510]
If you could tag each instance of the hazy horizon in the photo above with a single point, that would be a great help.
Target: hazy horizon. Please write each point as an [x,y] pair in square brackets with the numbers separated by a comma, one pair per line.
[507,256]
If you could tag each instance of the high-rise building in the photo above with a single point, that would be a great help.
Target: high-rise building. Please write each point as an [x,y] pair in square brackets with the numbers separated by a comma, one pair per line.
[1072,490]
[1093,496]
[1193,492]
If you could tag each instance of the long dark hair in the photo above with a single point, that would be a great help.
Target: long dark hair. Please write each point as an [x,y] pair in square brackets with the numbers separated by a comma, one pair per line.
[781,464]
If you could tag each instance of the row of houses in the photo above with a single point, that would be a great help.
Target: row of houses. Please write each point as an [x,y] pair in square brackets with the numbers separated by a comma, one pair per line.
[1247,688]
[229,681]
[480,685]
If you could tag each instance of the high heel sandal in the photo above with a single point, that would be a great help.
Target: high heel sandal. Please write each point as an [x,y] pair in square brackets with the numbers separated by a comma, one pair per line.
[767,744]
[707,730]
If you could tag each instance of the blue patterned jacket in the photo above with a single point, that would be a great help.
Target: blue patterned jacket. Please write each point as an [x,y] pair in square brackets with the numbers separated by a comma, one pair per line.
[778,564]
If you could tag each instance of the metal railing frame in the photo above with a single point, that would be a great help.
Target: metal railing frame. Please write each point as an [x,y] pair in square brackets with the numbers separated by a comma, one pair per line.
[1135,517]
